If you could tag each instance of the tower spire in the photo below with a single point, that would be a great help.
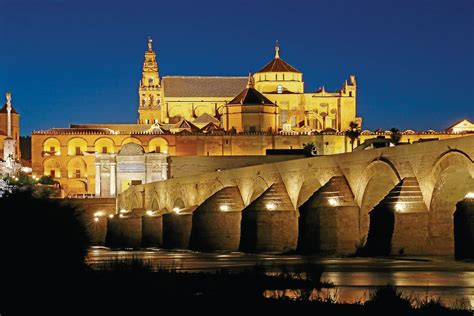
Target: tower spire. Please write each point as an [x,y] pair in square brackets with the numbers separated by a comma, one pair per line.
[277,48]
[250,83]
[150,43]
[9,113]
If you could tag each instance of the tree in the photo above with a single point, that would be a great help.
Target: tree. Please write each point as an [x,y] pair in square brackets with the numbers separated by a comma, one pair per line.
[353,133]
[310,149]
[47,180]
[395,136]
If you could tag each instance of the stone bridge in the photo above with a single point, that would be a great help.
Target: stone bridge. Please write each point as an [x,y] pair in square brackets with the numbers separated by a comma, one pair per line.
[400,200]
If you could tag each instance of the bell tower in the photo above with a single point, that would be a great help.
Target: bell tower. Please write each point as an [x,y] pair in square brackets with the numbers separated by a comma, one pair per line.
[149,90]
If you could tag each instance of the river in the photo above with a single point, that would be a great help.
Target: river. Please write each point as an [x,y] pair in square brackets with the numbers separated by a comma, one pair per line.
[354,278]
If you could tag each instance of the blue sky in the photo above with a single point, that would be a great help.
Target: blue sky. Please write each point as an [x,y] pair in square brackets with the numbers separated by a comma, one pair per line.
[79,61]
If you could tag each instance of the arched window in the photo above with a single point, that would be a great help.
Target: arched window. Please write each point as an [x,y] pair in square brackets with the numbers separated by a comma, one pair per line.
[51,147]
[158,145]
[104,145]
[76,146]
[52,168]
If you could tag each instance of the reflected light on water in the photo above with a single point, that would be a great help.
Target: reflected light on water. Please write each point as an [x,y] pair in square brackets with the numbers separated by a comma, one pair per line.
[354,278]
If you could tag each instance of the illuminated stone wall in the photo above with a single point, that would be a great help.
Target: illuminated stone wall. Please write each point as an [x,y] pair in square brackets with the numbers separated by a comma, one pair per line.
[443,171]
[44,160]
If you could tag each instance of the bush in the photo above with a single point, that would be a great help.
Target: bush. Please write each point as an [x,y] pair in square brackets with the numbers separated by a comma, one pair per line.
[42,239]
[388,298]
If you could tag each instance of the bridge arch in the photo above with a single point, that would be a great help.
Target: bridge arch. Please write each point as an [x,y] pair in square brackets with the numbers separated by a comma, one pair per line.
[452,178]
[135,201]
[308,187]
[379,177]
[155,206]
[259,186]
[205,190]
[179,204]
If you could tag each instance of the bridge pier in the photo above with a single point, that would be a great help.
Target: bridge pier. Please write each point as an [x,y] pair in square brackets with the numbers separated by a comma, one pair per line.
[152,231]
[216,222]
[124,231]
[177,227]
[399,223]
[270,223]
[329,219]
[464,229]
[97,230]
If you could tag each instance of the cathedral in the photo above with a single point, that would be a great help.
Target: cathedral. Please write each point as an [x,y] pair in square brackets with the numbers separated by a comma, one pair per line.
[171,99]
[219,122]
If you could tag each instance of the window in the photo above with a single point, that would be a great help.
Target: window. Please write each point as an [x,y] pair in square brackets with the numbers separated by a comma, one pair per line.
[350,93]
[150,81]
[146,121]
[52,173]
[77,173]
[252,129]
[157,149]
[136,182]
[104,150]
[279,89]
[52,149]
[283,77]
[78,151]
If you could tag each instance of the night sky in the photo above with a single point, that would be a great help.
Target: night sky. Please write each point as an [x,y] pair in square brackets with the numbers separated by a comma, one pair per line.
[80,61]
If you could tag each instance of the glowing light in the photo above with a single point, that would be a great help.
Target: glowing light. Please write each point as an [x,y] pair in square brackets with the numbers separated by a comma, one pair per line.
[399,207]
[121,215]
[470,195]
[224,207]
[123,211]
[176,209]
[96,219]
[99,214]
[111,216]
[271,206]
[332,202]
[149,213]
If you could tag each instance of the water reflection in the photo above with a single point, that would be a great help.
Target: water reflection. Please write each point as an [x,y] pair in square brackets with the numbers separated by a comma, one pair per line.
[354,278]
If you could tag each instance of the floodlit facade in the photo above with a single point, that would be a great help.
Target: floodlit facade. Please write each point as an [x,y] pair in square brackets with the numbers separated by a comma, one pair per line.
[201,116]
